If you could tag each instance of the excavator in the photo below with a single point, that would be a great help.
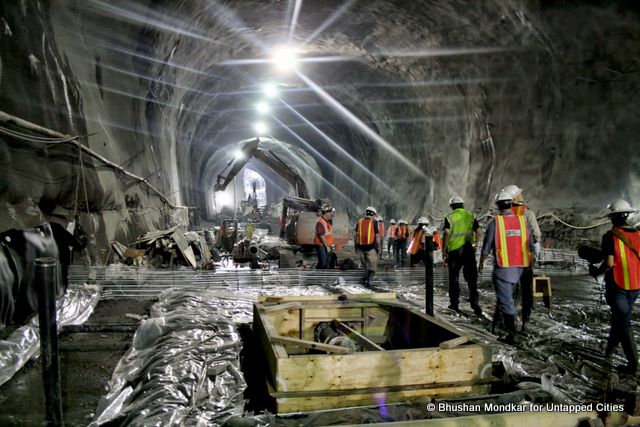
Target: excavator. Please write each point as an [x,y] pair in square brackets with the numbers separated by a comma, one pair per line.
[299,214]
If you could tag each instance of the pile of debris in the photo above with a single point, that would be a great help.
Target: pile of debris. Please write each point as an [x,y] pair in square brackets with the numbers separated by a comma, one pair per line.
[167,248]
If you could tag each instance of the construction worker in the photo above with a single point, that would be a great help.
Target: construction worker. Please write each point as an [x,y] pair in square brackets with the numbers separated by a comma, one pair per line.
[507,236]
[391,237]
[417,245]
[400,243]
[324,241]
[381,232]
[461,232]
[367,242]
[621,268]
[519,207]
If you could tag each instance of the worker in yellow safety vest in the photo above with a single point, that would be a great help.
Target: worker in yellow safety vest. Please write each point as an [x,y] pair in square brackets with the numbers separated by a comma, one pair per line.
[461,232]
[621,268]
[507,236]
[367,243]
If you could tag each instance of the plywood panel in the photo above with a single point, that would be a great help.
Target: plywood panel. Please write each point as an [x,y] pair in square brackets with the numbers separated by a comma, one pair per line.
[379,369]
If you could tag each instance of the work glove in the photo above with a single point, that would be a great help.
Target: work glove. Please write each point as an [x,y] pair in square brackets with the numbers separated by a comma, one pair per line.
[537,249]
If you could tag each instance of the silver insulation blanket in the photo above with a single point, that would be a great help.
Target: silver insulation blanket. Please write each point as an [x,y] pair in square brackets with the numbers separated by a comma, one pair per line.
[183,367]
[73,308]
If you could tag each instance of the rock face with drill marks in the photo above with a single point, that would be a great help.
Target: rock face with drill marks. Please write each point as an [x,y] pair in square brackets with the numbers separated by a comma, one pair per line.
[476,95]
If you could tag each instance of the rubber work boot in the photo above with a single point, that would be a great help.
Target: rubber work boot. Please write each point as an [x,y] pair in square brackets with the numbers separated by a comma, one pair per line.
[630,351]
[477,309]
[510,325]
[497,320]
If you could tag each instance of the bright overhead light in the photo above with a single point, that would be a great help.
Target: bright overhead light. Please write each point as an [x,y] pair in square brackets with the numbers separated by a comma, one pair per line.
[261,128]
[270,90]
[224,198]
[285,58]
[262,107]
[238,155]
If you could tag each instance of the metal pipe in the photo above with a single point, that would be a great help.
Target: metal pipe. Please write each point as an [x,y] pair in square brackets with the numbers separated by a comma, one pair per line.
[46,287]
[428,273]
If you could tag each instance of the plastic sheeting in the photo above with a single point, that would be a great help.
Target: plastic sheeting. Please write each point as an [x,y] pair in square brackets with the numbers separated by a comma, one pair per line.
[183,367]
[73,308]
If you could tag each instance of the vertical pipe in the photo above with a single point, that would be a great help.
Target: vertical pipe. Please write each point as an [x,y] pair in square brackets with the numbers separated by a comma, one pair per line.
[428,270]
[46,278]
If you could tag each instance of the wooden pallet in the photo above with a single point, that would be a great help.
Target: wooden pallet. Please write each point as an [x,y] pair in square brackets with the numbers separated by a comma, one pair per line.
[402,354]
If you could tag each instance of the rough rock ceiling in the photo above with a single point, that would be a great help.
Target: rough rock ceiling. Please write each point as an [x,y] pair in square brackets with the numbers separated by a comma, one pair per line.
[456,97]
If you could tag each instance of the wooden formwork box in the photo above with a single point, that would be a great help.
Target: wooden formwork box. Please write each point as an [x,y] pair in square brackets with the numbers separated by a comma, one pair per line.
[408,356]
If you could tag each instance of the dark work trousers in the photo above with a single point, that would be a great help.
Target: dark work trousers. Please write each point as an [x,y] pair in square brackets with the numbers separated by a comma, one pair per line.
[323,257]
[400,251]
[526,290]
[417,258]
[390,246]
[621,303]
[463,258]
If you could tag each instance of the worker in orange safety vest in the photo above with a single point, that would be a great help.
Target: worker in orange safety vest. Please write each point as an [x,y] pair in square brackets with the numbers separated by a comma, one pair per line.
[417,245]
[367,243]
[391,237]
[400,243]
[508,237]
[324,240]
[621,268]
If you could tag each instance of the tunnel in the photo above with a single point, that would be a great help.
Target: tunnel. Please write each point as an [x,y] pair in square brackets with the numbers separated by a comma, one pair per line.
[119,120]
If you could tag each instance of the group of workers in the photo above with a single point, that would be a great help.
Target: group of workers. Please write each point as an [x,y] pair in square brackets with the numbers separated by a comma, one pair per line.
[512,237]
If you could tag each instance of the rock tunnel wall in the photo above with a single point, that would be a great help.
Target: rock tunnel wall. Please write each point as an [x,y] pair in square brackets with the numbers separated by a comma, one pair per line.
[474,94]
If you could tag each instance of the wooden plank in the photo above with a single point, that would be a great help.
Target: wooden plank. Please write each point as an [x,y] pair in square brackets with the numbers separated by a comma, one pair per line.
[206,252]
[383,368]
[327,314]
[306,404]
[310,344]
[454,342]
[276,307]
[366,343]
[333,297]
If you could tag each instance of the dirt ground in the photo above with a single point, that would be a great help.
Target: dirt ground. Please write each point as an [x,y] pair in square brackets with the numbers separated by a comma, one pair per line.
[87,360]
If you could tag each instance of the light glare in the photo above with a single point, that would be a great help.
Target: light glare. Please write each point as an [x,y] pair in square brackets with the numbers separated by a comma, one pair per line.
[262,107]
[261,128]
[285,58]
[270,90]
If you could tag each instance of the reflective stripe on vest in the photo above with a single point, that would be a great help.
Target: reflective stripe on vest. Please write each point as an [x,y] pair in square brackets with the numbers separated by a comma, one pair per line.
[512,241]
[626,265]
[392,231]
[416,243]
[366,234]
[460,229]
[328,233]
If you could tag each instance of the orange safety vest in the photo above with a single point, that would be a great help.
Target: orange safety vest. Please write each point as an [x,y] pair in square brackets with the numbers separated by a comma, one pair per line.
[518,209]
[512,241]
[365,233]
[402,232]
[416,243]
[626,265]
[437,242]
[381,228]
[392,231]
[328,234]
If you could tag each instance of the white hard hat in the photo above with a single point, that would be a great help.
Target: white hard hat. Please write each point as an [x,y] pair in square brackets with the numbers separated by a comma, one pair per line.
[402,221]
[504,196]
[393,221]
[423,220]
[380,218]
[455,200]
[371,209]
[512,190]
[620,206]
